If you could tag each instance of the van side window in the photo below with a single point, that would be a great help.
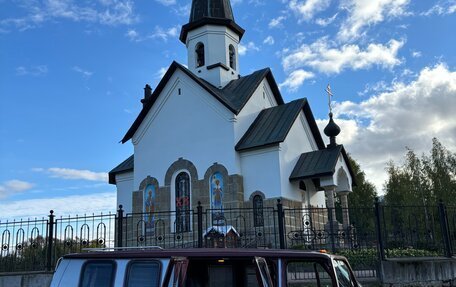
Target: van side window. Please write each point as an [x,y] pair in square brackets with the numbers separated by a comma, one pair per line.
[98,274]
[307,273]
[143,274]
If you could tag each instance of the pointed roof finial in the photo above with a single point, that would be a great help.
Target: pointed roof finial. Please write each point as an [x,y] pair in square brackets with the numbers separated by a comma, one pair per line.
[332,130]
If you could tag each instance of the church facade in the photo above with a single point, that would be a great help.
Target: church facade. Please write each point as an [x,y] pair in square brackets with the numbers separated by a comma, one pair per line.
[208,135]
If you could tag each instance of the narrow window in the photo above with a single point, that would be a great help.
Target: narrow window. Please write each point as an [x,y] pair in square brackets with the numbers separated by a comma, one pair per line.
[232,53]
[199,51]
[258,219]
[216,196]
[182,202]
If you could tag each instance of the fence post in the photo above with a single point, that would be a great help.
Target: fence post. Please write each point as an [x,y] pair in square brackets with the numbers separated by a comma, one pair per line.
[119,218]
[378,227]
[199,211]
[445,229]
[50,236]
[331,229]
[281,217]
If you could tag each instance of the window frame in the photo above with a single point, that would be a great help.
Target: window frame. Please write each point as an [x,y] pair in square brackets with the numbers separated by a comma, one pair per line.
[198,46]
[84,266]
[327,266]
[133,261]
[187,213]
[258,211]
[232,57]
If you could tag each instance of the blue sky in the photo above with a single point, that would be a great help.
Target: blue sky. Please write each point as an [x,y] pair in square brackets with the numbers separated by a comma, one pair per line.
[72,75]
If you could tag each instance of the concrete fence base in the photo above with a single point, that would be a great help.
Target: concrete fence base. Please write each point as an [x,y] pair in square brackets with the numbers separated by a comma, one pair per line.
[26,279]
[419,272]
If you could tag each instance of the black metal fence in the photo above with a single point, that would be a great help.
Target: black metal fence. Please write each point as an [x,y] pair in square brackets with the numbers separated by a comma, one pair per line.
[364,235]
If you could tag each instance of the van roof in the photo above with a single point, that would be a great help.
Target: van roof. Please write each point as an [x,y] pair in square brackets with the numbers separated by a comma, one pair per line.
[198,253]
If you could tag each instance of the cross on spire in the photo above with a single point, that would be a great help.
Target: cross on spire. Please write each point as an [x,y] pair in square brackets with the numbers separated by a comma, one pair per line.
[330,94]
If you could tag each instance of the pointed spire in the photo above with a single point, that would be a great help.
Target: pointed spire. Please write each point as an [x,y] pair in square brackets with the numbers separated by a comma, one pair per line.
[214,12]
[212,9]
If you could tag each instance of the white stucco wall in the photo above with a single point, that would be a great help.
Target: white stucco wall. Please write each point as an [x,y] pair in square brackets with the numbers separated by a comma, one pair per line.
[342,165]
[124,184]
[193,125]
[298,141]
[261,99]
[216,40]
[260,171]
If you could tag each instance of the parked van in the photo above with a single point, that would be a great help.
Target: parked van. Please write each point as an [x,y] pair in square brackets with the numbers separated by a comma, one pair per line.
[202,267]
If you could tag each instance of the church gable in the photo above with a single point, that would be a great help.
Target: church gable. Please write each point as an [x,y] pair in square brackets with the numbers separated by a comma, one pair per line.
[233,96]
[181,102]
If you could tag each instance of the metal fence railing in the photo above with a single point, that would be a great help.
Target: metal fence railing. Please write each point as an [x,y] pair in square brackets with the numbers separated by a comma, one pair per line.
[364,235]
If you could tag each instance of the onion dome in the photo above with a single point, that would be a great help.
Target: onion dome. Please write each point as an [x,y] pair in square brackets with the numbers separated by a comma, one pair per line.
[332,130]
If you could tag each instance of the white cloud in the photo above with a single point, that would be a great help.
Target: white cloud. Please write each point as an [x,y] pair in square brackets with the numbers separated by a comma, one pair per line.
[326,59]
[132,35]
[406,115]
[63,206]
[269,40]
[247,48]
[74,174]
[33,70]
[164,34]
[158,33]
[416,54]
[441,8]
[325,22]
[83,72]
[296,79]
[363,14]
[307,9]
[14,186]
[276,22]
[166,2]
[161,72]
[108,12]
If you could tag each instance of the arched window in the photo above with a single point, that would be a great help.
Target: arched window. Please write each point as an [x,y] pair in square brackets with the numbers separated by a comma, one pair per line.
[216,195]
[182,202]
[232,54]
[258,219]
[199,52]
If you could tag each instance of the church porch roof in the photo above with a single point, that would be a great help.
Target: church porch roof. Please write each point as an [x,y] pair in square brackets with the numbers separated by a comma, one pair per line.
[126,166]
[320,163]
[272,126]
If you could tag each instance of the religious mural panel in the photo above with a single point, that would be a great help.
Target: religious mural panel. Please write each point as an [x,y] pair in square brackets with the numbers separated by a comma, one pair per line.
[149,207]
[217,198]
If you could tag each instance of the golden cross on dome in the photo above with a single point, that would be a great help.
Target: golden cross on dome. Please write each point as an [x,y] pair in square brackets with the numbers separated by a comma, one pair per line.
[330,94]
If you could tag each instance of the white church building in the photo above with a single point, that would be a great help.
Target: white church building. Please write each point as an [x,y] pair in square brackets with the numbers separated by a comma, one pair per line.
[208,134]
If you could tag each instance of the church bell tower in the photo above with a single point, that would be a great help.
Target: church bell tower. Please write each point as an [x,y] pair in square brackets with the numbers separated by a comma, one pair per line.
[212,39]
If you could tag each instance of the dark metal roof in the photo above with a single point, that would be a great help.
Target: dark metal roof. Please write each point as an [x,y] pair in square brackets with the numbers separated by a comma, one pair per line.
[215,12]
[126,165]
[233,96]
[272,126]
[211,8]
[316,163]
[320,163]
